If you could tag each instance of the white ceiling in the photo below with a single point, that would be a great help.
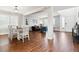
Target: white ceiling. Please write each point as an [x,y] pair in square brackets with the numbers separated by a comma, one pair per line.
[31,9]
[21,9]
[58,8]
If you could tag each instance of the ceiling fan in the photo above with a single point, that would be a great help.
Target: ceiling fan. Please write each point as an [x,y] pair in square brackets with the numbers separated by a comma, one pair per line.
[16,8]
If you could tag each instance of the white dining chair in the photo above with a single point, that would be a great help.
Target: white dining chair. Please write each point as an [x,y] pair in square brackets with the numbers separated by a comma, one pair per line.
[20,34]
[11,31]
[23,33]
[26,32]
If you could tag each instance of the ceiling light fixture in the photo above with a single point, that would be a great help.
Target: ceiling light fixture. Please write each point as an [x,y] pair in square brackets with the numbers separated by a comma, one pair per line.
[16,8]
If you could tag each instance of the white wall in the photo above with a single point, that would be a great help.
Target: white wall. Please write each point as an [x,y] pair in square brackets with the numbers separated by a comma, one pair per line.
[70,16]
[21,20]
[35,18]
[8,19]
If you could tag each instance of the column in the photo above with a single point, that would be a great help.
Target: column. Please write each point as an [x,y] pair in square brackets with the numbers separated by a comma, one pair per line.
[49,33]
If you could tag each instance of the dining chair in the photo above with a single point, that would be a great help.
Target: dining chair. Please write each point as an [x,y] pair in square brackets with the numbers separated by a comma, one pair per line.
[23,33]
[26,32]
[11,31]
[20,33]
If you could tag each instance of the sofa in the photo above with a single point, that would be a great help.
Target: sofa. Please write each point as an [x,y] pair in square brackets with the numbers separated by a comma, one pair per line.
[44,29]
[75,33]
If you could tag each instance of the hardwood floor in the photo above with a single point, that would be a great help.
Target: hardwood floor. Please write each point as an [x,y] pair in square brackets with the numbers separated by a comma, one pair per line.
[62,42]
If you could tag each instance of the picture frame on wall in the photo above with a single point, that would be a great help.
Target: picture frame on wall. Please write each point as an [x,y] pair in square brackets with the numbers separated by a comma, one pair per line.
[26,22]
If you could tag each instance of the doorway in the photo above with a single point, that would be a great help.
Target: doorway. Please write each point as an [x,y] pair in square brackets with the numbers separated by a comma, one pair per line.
[57,23]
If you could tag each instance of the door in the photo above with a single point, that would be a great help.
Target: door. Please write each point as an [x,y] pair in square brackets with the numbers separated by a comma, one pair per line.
[69,23]
[57,23]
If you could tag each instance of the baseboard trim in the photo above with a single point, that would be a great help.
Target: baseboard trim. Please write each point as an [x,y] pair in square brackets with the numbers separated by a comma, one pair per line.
[3,33]
[63,31]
